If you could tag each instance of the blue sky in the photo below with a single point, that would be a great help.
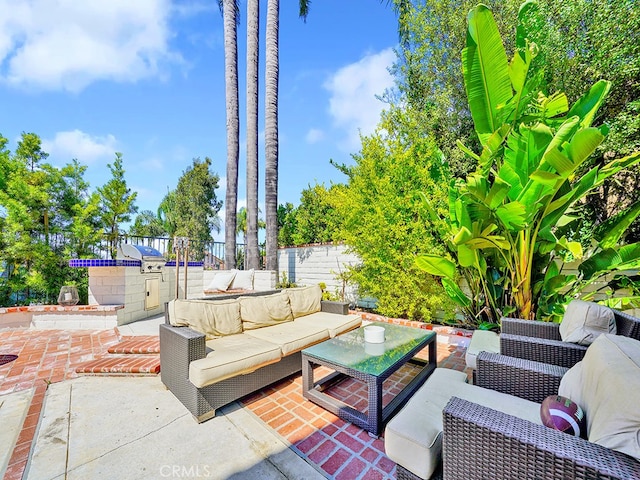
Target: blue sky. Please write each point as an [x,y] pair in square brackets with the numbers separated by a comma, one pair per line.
[146,78]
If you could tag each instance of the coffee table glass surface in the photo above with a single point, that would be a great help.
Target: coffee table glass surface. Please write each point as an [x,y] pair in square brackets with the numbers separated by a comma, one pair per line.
[351,351]
[348,355]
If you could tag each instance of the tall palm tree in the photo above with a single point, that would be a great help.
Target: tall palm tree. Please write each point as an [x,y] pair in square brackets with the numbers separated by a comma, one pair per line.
[271,127]
[230,23]
[252,253]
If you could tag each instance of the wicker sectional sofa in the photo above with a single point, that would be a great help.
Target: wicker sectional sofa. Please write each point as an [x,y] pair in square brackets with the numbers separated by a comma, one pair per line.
[213,352]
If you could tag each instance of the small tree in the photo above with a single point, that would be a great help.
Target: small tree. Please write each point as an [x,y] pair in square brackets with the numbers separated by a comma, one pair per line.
[510,223]
[117,203]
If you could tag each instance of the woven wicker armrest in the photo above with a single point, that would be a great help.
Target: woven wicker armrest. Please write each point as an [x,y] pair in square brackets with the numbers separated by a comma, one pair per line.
[328,306]
[481,443]
[526,379]
[530,328]
[555,352]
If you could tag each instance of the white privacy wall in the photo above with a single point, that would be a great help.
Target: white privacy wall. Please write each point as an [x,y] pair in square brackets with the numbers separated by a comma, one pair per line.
[314,264]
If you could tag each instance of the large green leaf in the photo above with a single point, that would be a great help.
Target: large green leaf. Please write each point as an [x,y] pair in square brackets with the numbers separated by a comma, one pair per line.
[436,265]
[587,106]
[513,215]
[583,144]
[625,257]
[455,293]
[486,71]
[615,227]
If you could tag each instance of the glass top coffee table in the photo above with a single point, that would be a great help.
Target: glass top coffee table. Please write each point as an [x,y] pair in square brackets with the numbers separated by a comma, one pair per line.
[349,355]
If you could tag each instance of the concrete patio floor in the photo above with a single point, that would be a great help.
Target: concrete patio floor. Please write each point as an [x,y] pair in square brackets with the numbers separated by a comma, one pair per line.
[57,425]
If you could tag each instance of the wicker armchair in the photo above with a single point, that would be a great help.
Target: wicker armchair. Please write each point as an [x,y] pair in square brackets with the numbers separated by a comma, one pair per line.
[540,341]
[481,443]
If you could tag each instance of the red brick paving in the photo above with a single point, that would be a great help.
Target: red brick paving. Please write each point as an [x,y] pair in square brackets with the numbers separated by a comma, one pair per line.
[340,449]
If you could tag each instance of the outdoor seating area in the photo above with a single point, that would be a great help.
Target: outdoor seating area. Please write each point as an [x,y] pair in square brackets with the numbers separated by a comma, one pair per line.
[445,425]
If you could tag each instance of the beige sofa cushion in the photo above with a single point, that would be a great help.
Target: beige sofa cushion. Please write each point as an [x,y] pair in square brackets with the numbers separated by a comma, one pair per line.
[304,300]
[231,356]
[481,341]
[606,384]
[291,336]
[262,311]
[413,438]
[334,322]
[213,318]
[584,321]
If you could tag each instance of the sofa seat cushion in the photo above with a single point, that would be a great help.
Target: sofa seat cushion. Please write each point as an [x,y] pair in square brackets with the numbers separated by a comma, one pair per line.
[213,318]
[334,322]
[413,438]
[264,310]
[231,356]
[584,321]
[304,300]
[606,384]
[481,341]
[291,336]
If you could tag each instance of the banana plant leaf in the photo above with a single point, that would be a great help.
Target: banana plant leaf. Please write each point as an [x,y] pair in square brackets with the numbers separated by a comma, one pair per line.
[486,71]
[436,265]
[623,258]
[614,228]
[587,106]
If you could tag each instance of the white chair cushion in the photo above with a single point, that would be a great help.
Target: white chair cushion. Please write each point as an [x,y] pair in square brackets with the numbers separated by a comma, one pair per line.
[221,281]
[413,438]
[243,280]
[481,341]
[606,385]
[584,321]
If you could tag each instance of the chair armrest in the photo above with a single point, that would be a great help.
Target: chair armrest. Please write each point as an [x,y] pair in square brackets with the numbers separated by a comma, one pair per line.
[530,328]
[526,379]
[180,345]
[555,352]
[328,306]
[481,443]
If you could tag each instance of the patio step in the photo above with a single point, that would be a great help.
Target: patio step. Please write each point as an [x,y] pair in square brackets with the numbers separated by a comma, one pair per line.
[146,344]
[134,355]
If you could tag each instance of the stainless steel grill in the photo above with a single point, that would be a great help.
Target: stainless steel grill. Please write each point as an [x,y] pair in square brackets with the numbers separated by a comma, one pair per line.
[151,260]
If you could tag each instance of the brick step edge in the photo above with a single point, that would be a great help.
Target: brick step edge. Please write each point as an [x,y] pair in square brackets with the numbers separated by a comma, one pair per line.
[128,365]
[136,346]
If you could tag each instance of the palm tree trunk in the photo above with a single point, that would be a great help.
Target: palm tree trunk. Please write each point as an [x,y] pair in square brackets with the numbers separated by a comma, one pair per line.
[271,135]
[233,129]
[253,34]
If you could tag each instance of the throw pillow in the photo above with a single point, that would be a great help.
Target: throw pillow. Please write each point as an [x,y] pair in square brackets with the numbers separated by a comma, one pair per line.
[562,414]
[584,321]
[222,280]
[243,280]
[304,300]
[606,384]
[214,319]
[264,310]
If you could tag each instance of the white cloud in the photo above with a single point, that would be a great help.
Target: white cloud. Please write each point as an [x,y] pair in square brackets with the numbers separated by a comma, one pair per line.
[78,144]
[68,44]
[314,136]
[353,103]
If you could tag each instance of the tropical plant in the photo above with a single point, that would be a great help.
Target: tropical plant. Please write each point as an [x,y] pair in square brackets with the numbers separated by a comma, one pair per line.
[510,222]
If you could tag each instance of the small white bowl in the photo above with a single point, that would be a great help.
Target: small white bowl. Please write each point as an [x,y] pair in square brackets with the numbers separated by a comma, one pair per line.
[374,334]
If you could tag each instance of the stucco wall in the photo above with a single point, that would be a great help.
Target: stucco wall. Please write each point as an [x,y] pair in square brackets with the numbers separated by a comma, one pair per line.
[310,265]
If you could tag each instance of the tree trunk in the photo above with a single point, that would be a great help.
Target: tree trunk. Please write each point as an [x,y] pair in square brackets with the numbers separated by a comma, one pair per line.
[271,135]
[252,259]
[233,129]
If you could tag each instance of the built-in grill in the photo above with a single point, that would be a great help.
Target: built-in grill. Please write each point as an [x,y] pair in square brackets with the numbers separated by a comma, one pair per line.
[151,260]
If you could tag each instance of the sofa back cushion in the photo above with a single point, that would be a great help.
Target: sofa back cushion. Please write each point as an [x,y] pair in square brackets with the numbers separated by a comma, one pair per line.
[264,310]
[606,384]
[213,318]
[304,300]
[584,321]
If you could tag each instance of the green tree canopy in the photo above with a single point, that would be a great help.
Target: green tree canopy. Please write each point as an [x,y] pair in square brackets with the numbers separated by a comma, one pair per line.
[117,203]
